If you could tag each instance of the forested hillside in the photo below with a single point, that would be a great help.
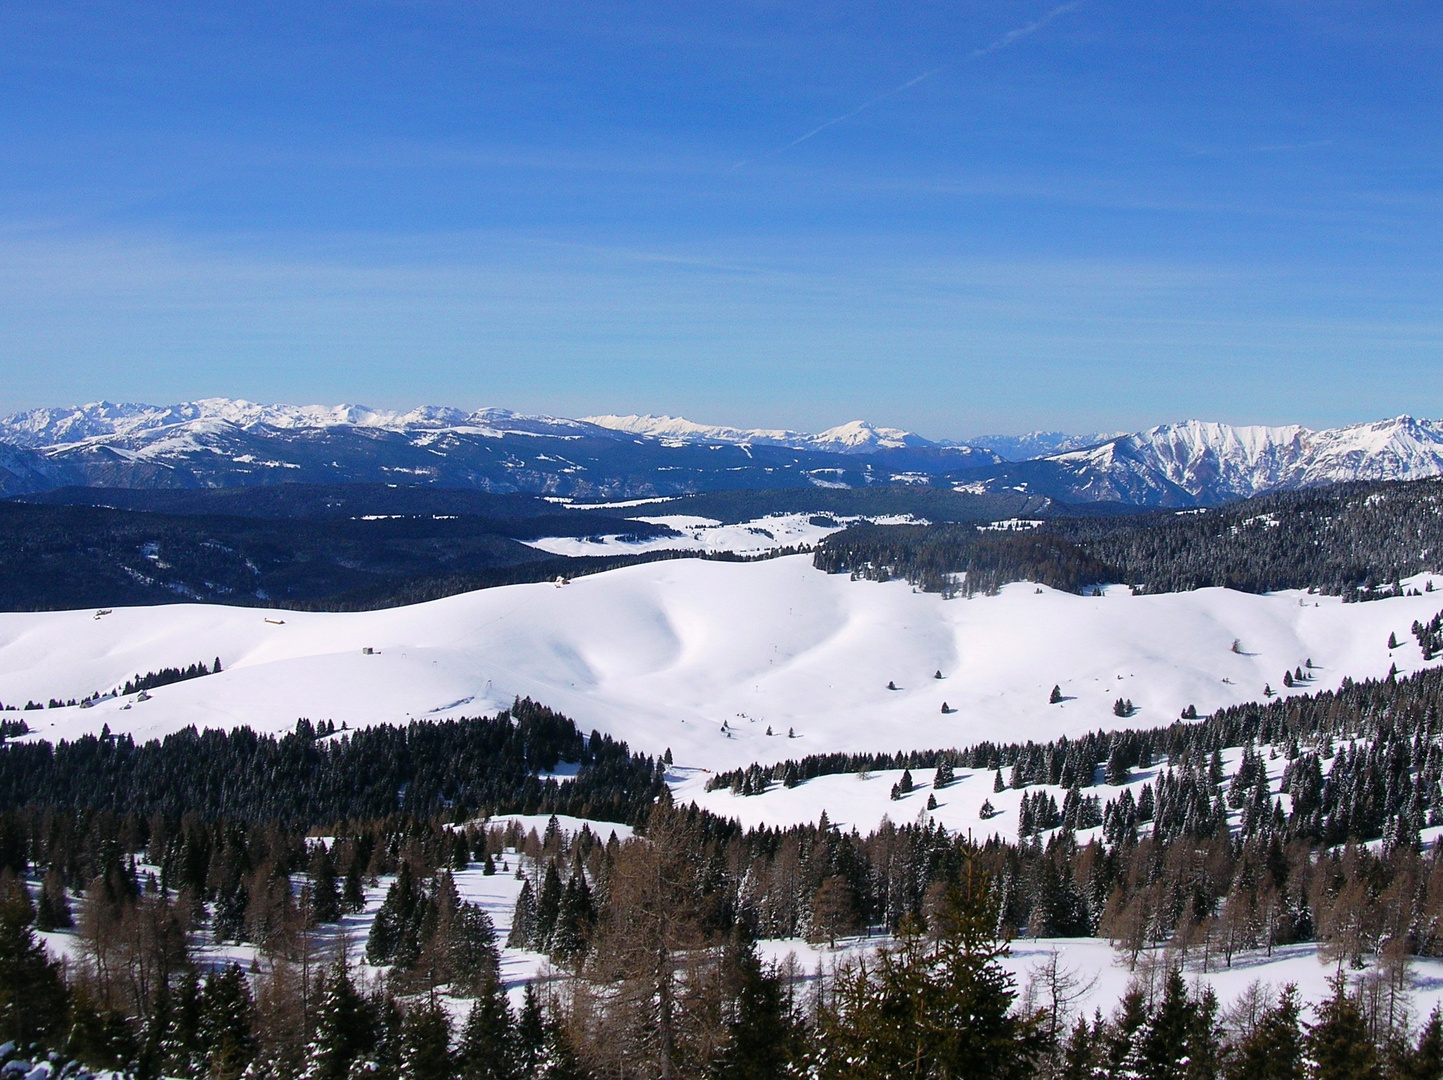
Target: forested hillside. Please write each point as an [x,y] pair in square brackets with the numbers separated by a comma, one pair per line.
[1337,540]
[651,939]
[65,557]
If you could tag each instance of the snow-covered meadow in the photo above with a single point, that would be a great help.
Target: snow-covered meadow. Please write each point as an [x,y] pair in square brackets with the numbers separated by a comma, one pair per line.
[705,657]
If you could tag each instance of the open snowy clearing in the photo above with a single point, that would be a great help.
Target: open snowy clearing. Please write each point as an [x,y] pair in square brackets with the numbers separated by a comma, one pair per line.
[708,535]
[703,657]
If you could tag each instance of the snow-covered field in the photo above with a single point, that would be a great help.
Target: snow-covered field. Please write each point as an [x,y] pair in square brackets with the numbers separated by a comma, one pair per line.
[755,537]
[701,534]
[703,657]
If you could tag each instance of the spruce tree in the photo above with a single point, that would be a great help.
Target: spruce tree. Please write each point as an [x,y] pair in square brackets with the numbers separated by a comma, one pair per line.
[426,1043]
[225,1023]
[548,906]
[344,1029]
[32,996]
[1425,1060]
[325,895]
[52,910]
[763,1039]
[488,1049]
[1274,1048]
[394,922]
[523,920]
[1056,695]
[1338,1044]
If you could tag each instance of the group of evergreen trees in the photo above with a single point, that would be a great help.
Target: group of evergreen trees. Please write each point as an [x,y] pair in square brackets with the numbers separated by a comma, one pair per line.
[165,676]
[307,777]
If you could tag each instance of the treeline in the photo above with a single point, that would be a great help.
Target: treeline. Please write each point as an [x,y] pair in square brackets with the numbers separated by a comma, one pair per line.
[168,675]
[1354,540]
[313,777]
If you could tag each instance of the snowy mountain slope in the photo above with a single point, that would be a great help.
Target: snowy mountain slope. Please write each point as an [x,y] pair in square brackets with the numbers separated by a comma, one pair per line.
[853,437]
[1213,462]
[1036,444]
[703,656]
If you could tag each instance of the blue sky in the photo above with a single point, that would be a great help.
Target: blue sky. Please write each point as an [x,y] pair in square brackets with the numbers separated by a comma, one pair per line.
[958,218]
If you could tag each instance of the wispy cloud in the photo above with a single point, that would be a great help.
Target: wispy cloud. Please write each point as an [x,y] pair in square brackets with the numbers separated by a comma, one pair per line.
[1007,40]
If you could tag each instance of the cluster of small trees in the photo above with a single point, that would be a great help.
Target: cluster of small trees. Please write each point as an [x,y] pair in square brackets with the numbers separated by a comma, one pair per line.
[165,676]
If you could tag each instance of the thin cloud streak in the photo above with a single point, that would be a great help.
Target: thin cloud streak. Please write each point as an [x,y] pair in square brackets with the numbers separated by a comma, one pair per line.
[1013,36]
[1005,41]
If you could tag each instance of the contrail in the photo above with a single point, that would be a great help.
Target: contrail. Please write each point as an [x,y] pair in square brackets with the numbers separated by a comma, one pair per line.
[1014,36]
[1006,40]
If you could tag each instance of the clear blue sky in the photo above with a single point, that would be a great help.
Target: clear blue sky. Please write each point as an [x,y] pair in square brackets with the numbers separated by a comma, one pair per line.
[956,218]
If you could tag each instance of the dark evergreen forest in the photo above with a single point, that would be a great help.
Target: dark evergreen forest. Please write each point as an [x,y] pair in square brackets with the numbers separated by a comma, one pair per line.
[319,775]
[1342,540]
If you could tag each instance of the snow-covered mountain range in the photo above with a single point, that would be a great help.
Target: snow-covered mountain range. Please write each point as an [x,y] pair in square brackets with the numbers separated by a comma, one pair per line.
[855,437]
[224,442]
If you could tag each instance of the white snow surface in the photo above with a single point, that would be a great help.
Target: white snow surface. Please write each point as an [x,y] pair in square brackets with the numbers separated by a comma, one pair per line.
[703,656]
[755,537]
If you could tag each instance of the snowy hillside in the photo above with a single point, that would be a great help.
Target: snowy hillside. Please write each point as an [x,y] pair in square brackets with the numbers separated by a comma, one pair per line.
[704,657]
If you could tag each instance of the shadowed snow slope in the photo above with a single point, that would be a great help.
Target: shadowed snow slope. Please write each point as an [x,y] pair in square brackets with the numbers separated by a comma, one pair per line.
[665,654]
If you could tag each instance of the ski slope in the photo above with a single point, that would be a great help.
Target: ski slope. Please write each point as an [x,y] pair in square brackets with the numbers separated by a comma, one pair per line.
[703,657]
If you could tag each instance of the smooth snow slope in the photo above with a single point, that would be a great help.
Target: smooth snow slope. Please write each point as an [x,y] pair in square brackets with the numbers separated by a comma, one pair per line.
[665,654]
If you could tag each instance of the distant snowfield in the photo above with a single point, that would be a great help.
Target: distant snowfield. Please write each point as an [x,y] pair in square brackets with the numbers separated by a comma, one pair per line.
[704,656]
[708,535]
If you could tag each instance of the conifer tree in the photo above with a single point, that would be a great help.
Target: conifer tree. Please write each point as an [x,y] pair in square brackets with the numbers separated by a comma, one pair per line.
[344,1029]
[488,1049]
[392,931]
[426,1043]
[325,895]
[1273,1050]
[548,907]
[225,1023]
[32,996]
[523,920]
[1425,1060]
[763,1038]
[52,910]
[1338,1044]
[1056,695]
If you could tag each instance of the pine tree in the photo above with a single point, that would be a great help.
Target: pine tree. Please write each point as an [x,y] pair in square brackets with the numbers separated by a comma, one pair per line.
[1056,695]
[426,1043]
[32,996]
[523,920]
[1274,1048]
[52,911]
[763,1039]
[344,1029]
[997,784]
[1338,1043]
[225,1023]
[488,1049]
